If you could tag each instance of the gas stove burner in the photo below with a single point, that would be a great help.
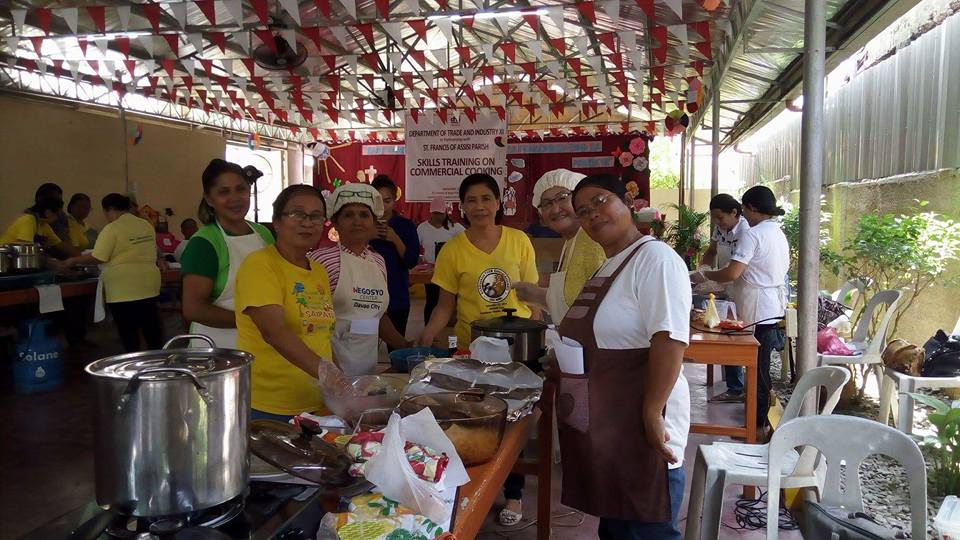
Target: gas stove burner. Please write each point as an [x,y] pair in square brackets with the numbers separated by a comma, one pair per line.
[199,524]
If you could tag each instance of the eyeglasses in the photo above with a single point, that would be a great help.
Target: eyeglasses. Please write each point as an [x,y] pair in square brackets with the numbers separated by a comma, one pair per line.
[349,193]
[595,204]
[317,218]
[558,200]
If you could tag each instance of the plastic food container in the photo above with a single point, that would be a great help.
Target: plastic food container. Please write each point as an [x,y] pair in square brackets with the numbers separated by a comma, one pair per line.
[473,422]
[947,521]
[399,357]
[370,392]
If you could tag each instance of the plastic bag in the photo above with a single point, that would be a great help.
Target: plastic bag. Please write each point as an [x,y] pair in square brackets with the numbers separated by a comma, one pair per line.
[828,342]
[710,317]
[391,472]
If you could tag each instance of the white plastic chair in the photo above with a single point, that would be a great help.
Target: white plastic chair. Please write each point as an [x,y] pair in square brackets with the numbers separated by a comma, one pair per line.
[842,484]
[721,463]
[868,347]
[897,387]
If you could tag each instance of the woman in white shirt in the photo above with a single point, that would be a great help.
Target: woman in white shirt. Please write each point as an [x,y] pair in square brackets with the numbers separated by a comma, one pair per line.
[758,267]
[726,215]
[623,423]
[434,233]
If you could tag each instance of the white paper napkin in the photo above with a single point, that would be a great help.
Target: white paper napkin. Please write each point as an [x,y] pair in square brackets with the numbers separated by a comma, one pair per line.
[490,350]
[569,356]
[51,298]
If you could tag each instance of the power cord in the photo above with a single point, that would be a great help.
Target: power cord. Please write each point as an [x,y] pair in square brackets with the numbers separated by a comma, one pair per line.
[508,533]
[740,332]
[751,514]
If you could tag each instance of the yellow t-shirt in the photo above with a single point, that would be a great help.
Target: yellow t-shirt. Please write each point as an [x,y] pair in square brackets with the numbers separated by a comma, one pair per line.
[266,278]
[482,281]
[128,249]
[27,228]
[78,234]
[580,261]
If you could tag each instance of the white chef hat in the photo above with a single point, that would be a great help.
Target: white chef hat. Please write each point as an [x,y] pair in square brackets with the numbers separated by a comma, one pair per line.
[554,178]
[357,192]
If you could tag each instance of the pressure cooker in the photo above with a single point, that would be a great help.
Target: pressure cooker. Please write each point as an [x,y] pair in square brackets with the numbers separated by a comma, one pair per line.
[525,337]
[172,428]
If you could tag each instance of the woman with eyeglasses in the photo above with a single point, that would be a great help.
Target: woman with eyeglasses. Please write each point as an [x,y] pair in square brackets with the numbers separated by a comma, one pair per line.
[580,256]
[358,278]
[475,271]
[285,316]
[213,255]
[623,423]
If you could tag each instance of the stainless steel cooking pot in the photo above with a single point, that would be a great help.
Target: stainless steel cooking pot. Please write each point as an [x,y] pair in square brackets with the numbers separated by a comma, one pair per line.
[6,259]
[526,337]
[172,428]
[27,257]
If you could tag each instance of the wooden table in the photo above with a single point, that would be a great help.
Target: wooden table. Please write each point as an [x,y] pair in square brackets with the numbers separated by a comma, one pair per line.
[476,497]
[86,287]
[725,350]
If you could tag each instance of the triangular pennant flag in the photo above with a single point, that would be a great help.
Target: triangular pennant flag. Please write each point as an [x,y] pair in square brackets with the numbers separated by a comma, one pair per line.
[152,13]
[705,49]
[70,17]
[509,50]
[173,40]
[413,6]
[219,39]
[533,19]
[323,6]
[442,115]
[617,60]
[208,9]
[123,45]
[41,65]
[628,40]
[262,9]
[536,49]
[393,30]
[207,66]
[330,60]
[702,28]
[419,26]
[560,44]
[427,78]
[464,54]
[588,11]
[446,28]
[471,114]
[468,21]
[167,64]
[43,16]
[293,8]
[150,65]
[19,16]
[676,6]
[235,9]
[266,36]
[289,35]
[383,8]
[487,49]
[607,39]
[584,45]
[595,63]
[196,40]
[250,65]
[698,67]
[419,57]
[82,43]
[360,115]
[556,15]
[575,65]
[501,112]
[131,66]
[487,72]
[659,33]
[554,69]
[372,60]
[612,8]
[179,10]
[37,42]
[103,44]
[74,67]
[341,34]
[351,7]
[530,68]
[680,31]
[313,32]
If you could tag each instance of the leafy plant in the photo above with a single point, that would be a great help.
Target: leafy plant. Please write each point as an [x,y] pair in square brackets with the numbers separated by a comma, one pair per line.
[664,164]
[791,228]
[908,252]
[686,234]
[945,446]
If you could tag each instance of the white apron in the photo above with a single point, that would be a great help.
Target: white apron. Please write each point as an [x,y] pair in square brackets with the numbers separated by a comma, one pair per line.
[359,301]
[238,247]
[556,302]
[748,298]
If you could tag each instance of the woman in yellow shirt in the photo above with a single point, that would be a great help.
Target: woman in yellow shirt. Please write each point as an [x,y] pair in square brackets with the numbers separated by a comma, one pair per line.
[78,209]
[580,257]
[126,247]
[34,226]
[475,271]
[284,311]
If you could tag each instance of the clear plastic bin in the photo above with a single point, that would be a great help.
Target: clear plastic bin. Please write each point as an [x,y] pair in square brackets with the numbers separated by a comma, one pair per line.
[947,521]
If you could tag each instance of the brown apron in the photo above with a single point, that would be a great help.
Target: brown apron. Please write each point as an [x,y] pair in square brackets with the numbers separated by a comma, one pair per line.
[609,469]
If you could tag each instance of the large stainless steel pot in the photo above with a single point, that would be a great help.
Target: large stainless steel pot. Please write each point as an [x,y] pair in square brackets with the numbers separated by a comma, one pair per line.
[172,428]
[526,337]
[27,256]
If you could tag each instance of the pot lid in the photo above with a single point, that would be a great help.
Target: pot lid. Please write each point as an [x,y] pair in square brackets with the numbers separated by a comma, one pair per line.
[510,323]
[297,451]
[164,363]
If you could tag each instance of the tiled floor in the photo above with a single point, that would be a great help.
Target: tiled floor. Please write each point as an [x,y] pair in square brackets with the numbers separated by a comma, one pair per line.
[46,454]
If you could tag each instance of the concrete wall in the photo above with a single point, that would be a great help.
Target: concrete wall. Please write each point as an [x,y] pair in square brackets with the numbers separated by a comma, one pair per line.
[82,150]
[662,198]
[937,307]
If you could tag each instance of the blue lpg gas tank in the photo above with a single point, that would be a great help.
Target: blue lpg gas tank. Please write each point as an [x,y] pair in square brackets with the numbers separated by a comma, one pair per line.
[39,362]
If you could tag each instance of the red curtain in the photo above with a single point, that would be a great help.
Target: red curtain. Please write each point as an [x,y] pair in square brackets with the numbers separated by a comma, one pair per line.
[531,165]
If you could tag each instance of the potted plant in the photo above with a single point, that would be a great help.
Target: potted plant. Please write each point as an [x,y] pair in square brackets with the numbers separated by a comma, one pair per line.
[686,234]
[944,446]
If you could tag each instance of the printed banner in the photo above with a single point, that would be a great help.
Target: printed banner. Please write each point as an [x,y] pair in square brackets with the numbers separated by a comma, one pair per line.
[440,155]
